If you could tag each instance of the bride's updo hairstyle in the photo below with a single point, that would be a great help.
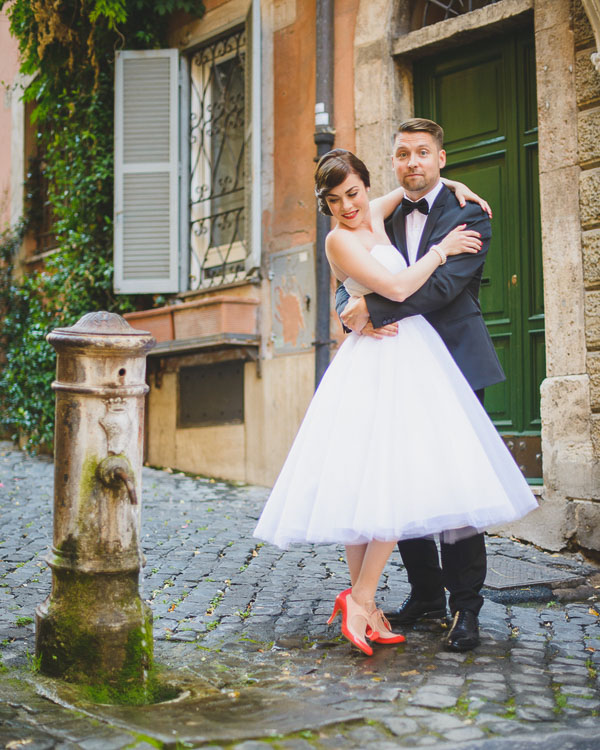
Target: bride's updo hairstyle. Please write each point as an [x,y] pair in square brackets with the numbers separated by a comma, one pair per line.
[332,170]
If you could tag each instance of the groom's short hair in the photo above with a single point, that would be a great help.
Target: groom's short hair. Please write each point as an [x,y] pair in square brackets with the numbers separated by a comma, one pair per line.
[421,124]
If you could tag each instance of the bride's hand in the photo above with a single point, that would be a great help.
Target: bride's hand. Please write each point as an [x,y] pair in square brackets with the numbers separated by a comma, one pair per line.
[461,240]
[464,194]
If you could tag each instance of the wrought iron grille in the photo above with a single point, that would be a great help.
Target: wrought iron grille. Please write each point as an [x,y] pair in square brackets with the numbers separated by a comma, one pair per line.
[426,12]
[218,246]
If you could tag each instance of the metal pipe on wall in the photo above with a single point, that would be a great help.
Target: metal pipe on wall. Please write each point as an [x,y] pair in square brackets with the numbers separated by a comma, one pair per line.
[323,137]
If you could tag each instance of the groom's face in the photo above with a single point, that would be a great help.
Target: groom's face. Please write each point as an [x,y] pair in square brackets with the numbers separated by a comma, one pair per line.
[417,161]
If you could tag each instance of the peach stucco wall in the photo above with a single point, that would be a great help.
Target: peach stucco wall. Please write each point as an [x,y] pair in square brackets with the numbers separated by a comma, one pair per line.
[293,219]
[9,66]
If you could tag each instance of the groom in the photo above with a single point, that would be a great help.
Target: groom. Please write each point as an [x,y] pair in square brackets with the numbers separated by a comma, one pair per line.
[449,301]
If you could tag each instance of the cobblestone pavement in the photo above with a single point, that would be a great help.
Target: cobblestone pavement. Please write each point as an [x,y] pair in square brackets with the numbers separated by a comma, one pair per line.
[241,628]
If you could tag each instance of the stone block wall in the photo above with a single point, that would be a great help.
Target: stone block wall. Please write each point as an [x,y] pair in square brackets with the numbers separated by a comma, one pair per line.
[568,91]
[587,87]
[585,513]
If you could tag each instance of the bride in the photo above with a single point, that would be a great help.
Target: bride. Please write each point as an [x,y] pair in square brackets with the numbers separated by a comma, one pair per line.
[421,430]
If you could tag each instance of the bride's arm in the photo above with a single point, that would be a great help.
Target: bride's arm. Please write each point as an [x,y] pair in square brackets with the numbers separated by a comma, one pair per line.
[463,193]
[388,203]
[347,253]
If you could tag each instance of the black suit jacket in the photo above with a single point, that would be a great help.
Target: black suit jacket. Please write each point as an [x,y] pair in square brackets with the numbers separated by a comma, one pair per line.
[449,298]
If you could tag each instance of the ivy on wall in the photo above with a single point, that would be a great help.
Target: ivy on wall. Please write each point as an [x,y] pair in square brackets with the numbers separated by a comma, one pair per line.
[68,47]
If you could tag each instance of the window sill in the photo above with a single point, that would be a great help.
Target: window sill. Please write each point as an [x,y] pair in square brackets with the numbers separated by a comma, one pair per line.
[201,292]
[204,343]
[210,320]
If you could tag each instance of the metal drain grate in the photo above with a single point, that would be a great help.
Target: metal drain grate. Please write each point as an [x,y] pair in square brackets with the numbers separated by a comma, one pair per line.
[510,572]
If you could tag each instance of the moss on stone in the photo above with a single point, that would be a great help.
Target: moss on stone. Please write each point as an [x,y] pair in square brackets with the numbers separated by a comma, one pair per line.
[75,642]
[88,479]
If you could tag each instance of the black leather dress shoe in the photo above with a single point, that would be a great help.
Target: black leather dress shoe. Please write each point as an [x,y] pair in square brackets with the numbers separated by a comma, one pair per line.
[415,609]
[464,632]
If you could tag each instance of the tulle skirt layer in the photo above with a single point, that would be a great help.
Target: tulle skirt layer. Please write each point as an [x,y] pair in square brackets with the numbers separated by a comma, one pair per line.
[394,445]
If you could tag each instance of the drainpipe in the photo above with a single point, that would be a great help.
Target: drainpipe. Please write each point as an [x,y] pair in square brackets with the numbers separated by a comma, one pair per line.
[324,135]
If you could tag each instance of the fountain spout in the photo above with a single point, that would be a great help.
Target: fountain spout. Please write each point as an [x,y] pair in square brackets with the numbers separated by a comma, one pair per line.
[114,470]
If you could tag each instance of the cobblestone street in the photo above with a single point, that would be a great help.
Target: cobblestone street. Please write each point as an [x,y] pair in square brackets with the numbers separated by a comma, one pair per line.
[241,628]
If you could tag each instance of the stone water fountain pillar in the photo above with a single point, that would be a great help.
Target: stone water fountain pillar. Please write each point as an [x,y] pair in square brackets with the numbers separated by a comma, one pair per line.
[94,628]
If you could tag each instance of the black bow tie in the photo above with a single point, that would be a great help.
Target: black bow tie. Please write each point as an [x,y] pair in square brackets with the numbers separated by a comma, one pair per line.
[408,206]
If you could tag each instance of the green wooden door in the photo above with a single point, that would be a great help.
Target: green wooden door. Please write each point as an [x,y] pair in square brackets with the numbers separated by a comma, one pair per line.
[484,97]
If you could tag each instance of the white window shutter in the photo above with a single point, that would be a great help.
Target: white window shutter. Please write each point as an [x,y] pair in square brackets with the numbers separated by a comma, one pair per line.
[253,136]
[146,245]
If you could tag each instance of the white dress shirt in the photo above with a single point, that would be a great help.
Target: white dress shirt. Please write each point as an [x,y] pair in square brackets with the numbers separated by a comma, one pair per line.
[415,222]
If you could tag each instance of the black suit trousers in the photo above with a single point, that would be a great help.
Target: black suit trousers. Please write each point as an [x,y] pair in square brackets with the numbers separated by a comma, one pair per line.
[462,571]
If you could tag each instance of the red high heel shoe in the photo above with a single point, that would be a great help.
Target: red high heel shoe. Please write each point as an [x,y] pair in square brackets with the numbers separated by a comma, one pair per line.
[379,629]
[339,604]
[352,615]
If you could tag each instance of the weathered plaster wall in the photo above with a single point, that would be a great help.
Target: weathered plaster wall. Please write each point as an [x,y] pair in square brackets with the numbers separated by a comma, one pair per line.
[11,127]
[217,451]
[380,106]
[274,405]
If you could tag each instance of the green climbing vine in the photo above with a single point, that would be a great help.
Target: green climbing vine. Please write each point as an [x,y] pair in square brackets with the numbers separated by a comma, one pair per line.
[67,49]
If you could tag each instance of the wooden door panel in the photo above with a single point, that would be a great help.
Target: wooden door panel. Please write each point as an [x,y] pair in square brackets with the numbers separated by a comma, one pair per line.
[537,357]
[535,290]
[498,398]
[488,177]
[478,116]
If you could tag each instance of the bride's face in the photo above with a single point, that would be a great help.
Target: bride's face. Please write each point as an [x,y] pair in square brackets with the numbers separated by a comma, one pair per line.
[349,201]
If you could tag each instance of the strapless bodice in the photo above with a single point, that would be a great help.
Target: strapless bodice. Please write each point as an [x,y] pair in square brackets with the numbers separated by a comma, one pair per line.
[389,257]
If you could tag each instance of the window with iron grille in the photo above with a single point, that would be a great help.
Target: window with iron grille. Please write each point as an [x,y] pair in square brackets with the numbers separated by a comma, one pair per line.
[188,164]
[426,12]
[218,175]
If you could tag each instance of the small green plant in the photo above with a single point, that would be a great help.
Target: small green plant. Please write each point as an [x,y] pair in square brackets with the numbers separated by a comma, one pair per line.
[591,668]
[33,661]
[23,620]
[215,601]
[560,701]
[511,709]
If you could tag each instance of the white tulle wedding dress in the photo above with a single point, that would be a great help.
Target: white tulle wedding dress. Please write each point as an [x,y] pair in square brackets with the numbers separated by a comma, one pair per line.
[394,445]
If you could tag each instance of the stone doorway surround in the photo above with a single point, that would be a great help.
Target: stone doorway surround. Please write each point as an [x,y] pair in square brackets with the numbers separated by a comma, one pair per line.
[568,103]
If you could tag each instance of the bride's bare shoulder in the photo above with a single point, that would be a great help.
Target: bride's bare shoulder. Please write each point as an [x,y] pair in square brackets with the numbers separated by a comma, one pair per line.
[340,239]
